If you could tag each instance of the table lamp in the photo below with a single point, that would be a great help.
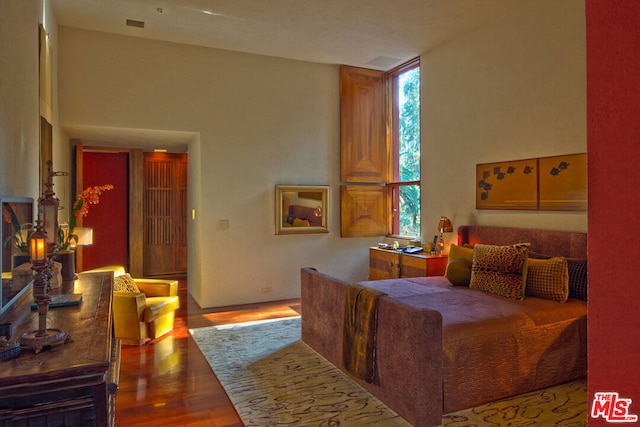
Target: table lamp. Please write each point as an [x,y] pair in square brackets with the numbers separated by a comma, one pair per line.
[444,226]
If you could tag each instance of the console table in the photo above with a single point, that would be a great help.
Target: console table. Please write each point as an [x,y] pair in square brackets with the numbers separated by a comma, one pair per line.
[69,384]
[388,264]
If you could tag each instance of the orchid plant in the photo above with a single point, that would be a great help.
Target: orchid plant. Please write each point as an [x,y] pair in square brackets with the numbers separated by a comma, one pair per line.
[80,208]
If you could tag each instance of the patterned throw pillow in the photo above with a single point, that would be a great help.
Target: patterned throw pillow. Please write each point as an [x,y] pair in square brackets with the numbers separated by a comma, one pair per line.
[125,283]
[577,278]
[501,270]
[459,266]
[548,278]
[577,275]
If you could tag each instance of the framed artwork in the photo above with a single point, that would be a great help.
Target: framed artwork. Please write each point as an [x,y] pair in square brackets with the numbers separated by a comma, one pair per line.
[45,61]
[546,183]
[302,209]
[46,150]
[507,185]
[563,182]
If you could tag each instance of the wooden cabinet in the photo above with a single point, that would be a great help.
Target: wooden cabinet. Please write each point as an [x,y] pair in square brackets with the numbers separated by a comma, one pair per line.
[70,384]
[386,264]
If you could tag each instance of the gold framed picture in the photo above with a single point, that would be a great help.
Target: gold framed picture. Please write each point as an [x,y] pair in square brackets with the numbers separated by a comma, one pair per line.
[507,185]
[563,182]
[546,183]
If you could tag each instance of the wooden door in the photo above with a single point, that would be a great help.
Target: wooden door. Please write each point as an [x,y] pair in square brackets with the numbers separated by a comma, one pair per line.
[108,218]
[165,213]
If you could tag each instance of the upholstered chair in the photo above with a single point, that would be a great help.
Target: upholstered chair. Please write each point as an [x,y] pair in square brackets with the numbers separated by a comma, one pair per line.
[143,309]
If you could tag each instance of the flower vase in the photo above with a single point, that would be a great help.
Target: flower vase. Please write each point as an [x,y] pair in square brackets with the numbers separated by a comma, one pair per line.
[68,261]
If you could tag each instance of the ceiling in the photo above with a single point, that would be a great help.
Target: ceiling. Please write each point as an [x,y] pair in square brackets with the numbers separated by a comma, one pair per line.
[376,34]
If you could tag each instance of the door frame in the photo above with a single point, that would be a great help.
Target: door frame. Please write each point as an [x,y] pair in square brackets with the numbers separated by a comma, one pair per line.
[136,188]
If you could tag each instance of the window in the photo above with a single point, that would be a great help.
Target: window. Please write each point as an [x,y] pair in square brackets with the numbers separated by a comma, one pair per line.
[404,182]
[380,151]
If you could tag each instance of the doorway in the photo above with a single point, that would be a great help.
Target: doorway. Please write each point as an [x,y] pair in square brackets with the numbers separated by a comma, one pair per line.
[153,235]
[165,213]
[108,217]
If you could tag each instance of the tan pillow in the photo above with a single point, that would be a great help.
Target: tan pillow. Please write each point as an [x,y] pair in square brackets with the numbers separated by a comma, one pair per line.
[125,283]
[459,266]
[301,223]
[501,270]
[548,278]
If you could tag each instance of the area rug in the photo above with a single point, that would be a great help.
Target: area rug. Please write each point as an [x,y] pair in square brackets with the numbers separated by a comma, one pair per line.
[564,405]
[274,379]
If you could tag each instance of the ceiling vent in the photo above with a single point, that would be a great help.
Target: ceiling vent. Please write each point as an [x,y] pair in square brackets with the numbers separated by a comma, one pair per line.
[384,61]
[134,23]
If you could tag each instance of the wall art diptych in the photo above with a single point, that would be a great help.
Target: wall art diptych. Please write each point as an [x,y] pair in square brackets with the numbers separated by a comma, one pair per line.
[556,183]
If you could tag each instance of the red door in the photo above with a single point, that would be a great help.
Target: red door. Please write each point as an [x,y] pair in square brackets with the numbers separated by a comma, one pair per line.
[108,218]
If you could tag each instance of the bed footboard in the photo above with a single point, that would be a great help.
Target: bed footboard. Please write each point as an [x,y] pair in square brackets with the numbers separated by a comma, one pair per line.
[408,346]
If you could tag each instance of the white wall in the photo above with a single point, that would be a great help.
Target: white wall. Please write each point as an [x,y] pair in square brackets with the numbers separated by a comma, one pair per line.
[512,90]
[515,89]
[19,99]
[262,121]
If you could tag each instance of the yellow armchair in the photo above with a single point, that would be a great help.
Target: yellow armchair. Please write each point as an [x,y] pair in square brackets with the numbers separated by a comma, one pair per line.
[145,313]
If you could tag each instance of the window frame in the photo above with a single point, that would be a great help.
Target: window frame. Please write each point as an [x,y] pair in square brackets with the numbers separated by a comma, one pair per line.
[393,182]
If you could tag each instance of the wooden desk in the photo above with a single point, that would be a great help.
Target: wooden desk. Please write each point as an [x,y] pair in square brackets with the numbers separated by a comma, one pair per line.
[70,384]
[387,264]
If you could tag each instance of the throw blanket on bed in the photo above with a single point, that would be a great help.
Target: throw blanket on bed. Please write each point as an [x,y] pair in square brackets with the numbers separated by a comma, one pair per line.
[359,332]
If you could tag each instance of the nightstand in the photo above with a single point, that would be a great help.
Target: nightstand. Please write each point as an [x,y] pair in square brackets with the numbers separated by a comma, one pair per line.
[389,264]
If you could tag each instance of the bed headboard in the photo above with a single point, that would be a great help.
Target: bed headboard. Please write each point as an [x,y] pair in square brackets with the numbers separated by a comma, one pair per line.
[570,244]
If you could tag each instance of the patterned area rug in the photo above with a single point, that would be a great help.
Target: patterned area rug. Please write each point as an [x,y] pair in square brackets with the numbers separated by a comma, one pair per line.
[562,406]
[274,379]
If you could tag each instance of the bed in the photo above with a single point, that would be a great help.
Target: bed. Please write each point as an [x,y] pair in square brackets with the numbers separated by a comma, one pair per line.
[441,348]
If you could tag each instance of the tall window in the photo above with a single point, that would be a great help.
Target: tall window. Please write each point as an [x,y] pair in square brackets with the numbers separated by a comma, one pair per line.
[380,151]
[405,149]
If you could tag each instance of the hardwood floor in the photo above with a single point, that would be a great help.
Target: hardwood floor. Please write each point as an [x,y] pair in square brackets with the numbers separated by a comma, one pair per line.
[168,382]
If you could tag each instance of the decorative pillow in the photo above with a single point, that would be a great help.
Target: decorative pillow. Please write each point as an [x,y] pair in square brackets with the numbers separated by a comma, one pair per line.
[459,266]
[577,278]
[548,278]
[577,275]
[501,270]
[301,223]
[125,283]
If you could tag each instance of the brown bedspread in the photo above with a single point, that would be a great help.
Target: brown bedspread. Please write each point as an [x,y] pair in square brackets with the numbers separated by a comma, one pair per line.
[495,346]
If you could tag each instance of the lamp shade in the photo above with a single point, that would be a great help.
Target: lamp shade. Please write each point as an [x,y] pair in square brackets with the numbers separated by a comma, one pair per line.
[85,236]
[38,246]
[50,219]
[445,226]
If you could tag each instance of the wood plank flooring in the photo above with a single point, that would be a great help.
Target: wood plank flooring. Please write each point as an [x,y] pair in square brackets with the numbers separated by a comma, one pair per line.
[168,382]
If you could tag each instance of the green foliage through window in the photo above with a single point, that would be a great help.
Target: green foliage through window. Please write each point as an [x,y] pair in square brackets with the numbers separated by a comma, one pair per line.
[406,198]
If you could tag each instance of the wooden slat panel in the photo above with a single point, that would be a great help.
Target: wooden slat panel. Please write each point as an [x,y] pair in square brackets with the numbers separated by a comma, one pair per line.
[165,213]
[363,136]
[363,211]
